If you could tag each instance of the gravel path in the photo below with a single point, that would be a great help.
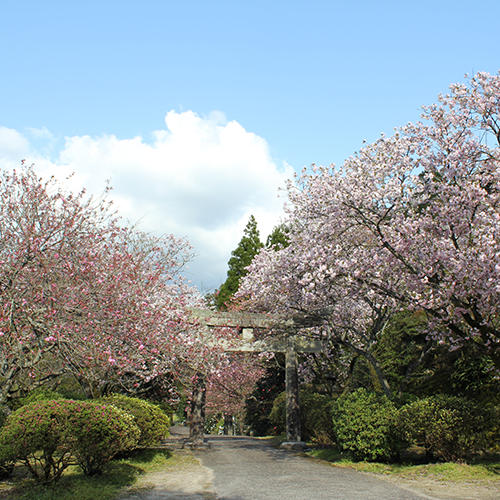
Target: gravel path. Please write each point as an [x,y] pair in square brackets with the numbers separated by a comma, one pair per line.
[243,468]
[249,469]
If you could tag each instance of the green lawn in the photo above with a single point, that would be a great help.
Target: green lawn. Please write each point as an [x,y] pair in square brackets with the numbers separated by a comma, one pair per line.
[73,485]
[450,471]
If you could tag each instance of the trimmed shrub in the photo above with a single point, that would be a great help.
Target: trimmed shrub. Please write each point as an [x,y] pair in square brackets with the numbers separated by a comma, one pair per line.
[166,408]
[36,435]
[47,436]
[363,422]
[38,394]
[98,432]
[277,417]
[317,417]
[6,466]
[448,427]
[151,420]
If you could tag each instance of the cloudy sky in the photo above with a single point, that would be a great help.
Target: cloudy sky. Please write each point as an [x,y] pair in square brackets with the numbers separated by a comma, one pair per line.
[198,112]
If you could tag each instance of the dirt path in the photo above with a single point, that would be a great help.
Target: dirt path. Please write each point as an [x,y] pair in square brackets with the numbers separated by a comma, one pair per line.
[444,490]
[189,480]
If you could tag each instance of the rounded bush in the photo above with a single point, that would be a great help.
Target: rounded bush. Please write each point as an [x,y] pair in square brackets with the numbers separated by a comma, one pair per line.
[363,422]
[151,420]
[35,434]
[317,417]
[98,432]
[6,466]
[38,394]
[448,427]
[47,436]
[277,416]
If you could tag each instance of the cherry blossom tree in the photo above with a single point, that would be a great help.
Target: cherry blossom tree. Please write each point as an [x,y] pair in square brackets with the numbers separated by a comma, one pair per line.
[83,294]
[411,221]
[229,386]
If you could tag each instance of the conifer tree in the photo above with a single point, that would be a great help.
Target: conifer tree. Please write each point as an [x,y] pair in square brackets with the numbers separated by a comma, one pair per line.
[279,237]
[241,257]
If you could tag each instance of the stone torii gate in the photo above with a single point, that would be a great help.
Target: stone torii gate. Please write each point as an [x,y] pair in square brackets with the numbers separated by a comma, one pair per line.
[288,342]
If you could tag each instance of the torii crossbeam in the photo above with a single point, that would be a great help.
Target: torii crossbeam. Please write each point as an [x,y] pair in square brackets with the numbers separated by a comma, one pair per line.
[288,343]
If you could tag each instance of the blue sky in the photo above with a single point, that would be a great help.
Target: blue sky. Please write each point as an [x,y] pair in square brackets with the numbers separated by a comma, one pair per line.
[296,82]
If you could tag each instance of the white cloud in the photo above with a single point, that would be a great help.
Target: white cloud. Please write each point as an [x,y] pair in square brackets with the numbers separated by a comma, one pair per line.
[199,177]
[13,145]
[41,133]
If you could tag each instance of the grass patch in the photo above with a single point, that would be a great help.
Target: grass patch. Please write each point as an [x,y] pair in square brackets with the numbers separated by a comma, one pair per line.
[272,440]
[119,474]
[449,471]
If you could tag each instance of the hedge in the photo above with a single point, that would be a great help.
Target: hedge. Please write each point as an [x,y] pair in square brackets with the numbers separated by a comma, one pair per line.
[364,424]
[152,421]
[47,436]
[448,427]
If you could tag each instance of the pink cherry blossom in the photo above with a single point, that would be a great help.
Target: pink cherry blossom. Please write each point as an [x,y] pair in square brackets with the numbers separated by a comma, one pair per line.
[411,221]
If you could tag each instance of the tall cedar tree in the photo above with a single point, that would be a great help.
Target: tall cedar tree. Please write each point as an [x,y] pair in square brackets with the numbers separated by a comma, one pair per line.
[279,237]
[241,257]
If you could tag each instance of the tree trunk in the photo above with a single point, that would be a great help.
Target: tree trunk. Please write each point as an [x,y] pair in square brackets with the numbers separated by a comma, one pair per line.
[292,394]
[382,379]
[197,417]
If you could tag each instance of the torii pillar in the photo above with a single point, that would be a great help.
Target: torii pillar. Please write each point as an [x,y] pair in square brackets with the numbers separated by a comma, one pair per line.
[289,344]
[293,430]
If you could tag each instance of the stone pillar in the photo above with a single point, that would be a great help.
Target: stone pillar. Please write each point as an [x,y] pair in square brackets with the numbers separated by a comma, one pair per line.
[197,417]
[292,394]
[228,425]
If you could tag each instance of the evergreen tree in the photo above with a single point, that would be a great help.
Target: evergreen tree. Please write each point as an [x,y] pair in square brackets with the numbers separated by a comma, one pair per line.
[241,257]
[279,237]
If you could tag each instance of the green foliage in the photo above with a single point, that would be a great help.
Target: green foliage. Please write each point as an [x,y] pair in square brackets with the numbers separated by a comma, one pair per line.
[315,415]
[4,412]
[241,258]
[98,432]
[6,468]
[401,353]
[36,434]
[48,435]
[6,465]
[448,427]
[68,386]
[474,375]
[278,239]
[277,416]
[74,485]
[213,423]
[180,409]
[166,407]
[259,404]
[415,364]
[38,394]
[151,420]
[363,423]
